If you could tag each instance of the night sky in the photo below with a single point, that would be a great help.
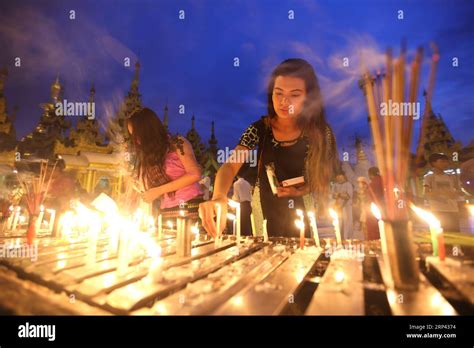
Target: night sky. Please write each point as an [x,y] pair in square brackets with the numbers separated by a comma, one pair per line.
[190,61]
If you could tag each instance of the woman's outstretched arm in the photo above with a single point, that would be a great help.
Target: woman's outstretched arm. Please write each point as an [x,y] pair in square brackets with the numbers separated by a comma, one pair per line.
[224,178]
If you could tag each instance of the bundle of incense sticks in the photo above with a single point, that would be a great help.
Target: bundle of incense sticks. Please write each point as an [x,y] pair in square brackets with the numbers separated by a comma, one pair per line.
[35,191]
[392,134]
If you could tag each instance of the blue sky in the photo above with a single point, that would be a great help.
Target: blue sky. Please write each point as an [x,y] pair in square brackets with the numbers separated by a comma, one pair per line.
[190,61]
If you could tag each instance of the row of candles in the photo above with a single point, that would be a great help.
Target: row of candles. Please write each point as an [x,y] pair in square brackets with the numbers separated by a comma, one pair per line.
[16,219]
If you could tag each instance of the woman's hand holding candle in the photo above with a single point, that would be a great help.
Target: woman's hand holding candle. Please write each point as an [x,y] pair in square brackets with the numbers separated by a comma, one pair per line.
[208,211]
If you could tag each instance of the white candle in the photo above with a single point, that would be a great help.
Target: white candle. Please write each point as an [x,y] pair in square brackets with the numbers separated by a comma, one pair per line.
[94,229]
[40,218]
[231,217]
[151,224]
[301,226]
[180,226]
[15,219]
[236,205]
[252,222]
[265,232]
[314,228]
[195,230]
[335,223]
[10,217]
[160,226]
[155,272]
[218,225]
[123,250]
[471,218]
[52,217]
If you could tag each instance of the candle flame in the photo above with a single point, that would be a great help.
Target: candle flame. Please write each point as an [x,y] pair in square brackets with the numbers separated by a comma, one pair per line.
[299,223]
[375,211]
[471,209]
[169,223]
[333,214]
[299,212]
[234,204]
[426,216]
[311,214]
[181,213]
[339,276]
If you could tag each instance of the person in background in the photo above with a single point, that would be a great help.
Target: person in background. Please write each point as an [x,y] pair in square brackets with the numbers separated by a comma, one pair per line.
[443,191]
[368,222]
[342,193]
[376,186]
[243,195]
[165,165]
[205,184]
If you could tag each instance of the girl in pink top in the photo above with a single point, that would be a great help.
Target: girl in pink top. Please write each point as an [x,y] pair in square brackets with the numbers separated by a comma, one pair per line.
[166,165]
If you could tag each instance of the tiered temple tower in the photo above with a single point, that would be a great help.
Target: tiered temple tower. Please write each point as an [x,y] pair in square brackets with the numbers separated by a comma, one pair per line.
[117,132]
[7,129]
[434,137]
[195,140]
[50,130]
[209,163]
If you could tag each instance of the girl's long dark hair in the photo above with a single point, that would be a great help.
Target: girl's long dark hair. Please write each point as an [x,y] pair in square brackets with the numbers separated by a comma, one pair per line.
[322,160]
[151,142]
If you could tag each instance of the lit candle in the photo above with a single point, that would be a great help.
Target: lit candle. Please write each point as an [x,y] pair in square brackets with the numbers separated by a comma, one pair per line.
[15,219]
[10,217]
[301,226]
[183,239]
[335,223]
[52,217]
[40,218]
[265,232]
[434,224]
[236,206]
[252,222]
[160,226]
[314,228]
[441,245]
[195,230]
[231,217]
[155,272]
[218,224]
[471,217]
[151,224]
[383,241]
[94,229]
[437,236]
[123,250]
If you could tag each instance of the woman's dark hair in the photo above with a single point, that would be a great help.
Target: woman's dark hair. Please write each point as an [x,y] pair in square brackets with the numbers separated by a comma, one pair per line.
[374,171]
[151,142]
[322,160]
